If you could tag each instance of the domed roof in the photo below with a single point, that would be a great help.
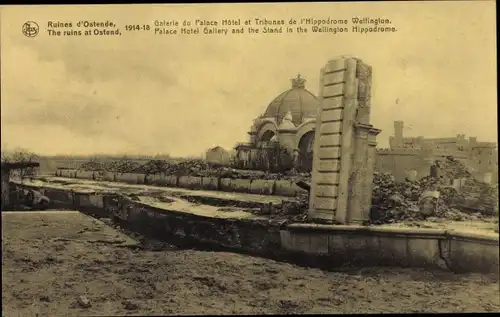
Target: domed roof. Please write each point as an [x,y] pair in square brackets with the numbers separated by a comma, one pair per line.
[299,101]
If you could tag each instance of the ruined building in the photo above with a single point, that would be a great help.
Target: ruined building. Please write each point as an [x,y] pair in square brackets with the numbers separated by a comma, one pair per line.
[289,120]
[417,154]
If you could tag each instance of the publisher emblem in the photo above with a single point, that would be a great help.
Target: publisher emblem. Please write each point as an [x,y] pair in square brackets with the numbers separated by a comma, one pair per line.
[30,29]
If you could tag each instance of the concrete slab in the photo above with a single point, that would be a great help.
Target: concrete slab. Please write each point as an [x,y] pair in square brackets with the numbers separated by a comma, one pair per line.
[81,184]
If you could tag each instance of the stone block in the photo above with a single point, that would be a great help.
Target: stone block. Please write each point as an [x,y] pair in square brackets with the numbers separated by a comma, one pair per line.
[286,240]
[325,203]
[318,243]
[159,180]
[329,165]
[210,183]
[83,200]
[241,185]
[121,177]
[262,187]
[109,176]
[285,188]
[333,90]
[423,252]
[191,182]
[327,178]
[330,127]
[467,254]
[335,65]
[300,242]
[59,196]
[329,152]
[337,244]
[332,103]
[327,190]
[172,180]
[394,250]
[84,175]
[329,140]
[225,185]
[141,179]
[96,201]
[331,115]
[333,78]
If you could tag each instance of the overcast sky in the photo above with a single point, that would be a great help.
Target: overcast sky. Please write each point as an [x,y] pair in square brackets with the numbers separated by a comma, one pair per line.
[145,93]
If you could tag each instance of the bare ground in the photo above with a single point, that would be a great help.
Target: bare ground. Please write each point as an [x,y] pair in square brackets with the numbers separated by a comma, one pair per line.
[50,260]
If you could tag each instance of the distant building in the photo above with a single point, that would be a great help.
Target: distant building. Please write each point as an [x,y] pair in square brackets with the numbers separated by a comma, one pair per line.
[218,155]
[418,154]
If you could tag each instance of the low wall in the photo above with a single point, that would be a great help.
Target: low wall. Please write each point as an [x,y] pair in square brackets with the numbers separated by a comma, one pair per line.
[430,248]
[284,188]
[332,245]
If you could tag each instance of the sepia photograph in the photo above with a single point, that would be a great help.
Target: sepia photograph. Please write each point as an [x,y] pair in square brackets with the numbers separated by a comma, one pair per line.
[249,158]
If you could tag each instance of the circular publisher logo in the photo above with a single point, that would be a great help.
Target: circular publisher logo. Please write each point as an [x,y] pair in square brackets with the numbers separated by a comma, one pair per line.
[30,29]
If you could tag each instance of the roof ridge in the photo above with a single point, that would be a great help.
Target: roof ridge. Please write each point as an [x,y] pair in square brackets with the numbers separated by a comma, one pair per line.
[281,103]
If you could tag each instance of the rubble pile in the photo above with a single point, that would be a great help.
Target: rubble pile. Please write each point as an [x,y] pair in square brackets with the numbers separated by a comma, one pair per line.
[152,167]
[391,201]
[395,202]
[93,166]
[478,196]
[451,168]
[192,167]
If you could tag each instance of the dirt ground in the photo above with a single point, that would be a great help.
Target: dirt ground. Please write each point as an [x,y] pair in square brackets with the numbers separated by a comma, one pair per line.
[54,262]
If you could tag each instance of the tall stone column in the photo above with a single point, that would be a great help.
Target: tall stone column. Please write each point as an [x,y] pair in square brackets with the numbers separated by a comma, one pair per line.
[342,148]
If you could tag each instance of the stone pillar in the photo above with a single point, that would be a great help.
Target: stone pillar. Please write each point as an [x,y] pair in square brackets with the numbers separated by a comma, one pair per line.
[344,154]
[361,175]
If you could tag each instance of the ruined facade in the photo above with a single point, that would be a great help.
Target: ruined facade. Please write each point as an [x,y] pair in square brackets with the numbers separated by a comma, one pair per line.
[417,154]
[288,121]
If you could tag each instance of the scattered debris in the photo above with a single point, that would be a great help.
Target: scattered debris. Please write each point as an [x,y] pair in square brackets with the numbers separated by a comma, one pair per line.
[45,298]
[83,302]
[473,201]
[128,305]
[391,201]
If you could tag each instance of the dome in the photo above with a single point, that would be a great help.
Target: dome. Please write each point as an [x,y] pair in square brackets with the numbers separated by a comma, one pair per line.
[299,101]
